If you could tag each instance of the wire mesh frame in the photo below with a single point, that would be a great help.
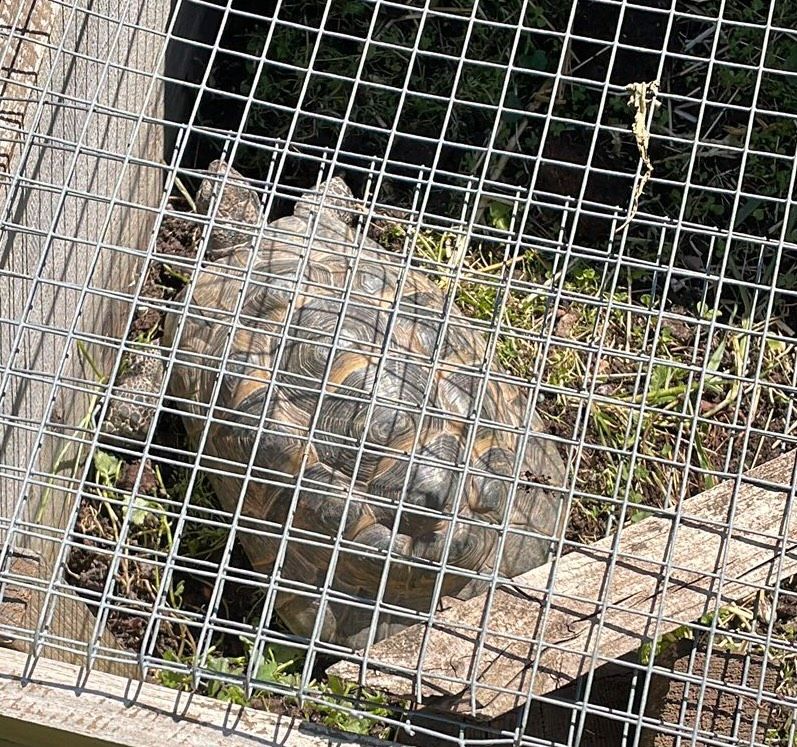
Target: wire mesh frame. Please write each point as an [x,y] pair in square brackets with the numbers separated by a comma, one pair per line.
[615,258]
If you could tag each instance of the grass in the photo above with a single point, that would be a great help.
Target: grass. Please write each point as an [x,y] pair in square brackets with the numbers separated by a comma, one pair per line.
[309,106]
[386,63]
[673,402]
[334,703]
[304,91]
[726,127]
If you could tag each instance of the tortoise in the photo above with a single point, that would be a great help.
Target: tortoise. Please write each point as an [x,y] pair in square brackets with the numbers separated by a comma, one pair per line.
[354,415]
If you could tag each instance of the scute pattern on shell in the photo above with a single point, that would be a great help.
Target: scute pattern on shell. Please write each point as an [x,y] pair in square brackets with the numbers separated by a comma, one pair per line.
[325,338]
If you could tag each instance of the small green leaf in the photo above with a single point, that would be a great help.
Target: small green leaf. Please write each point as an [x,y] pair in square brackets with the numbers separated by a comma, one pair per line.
[705,312]
[276,665]
[714,362]
[227,693]
[336,686]
[107,467]
[174,680]
[748,208]
[537,60]
[347,722]
[776,347]
[141,509]
[500,215]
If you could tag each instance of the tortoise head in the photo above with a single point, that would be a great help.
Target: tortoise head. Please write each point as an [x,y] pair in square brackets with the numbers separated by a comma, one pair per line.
[338,202]
[236,201]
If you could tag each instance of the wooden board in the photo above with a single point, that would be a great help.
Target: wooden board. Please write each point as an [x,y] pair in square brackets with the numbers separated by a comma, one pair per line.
[48,246]
[59,705]
[598,603]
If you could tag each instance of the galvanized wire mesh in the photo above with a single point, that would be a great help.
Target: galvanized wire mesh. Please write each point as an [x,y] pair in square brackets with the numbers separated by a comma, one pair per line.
[623,249]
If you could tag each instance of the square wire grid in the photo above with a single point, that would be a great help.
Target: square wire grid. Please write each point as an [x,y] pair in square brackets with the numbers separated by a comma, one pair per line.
[494,146]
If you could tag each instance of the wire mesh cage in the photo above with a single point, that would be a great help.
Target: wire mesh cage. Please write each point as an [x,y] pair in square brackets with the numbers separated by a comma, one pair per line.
[422,369]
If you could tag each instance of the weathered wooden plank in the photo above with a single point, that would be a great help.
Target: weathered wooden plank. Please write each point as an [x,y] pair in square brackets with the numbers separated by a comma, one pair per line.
[604,601]
[58,700]
[52,243]
[22,607]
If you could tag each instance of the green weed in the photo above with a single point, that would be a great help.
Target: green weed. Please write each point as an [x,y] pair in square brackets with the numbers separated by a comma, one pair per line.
[334,703]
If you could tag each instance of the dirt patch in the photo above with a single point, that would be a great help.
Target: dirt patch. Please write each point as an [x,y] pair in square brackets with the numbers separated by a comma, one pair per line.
[735,674]
[718,709]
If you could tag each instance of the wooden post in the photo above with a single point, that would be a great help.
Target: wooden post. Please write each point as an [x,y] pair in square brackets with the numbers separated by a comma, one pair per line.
[77,185]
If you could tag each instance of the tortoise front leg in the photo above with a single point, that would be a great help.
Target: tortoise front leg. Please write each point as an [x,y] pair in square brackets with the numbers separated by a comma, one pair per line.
[417,560]
[133,399]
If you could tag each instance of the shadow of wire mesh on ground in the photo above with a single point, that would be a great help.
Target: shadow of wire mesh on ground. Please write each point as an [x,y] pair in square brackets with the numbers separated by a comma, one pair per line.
[499,445]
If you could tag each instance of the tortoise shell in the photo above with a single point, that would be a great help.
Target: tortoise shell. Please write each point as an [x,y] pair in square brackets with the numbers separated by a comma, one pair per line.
[346,416]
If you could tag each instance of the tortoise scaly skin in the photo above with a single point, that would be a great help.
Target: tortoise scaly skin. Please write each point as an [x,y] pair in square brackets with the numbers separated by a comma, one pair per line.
[343,378]
[134,398]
